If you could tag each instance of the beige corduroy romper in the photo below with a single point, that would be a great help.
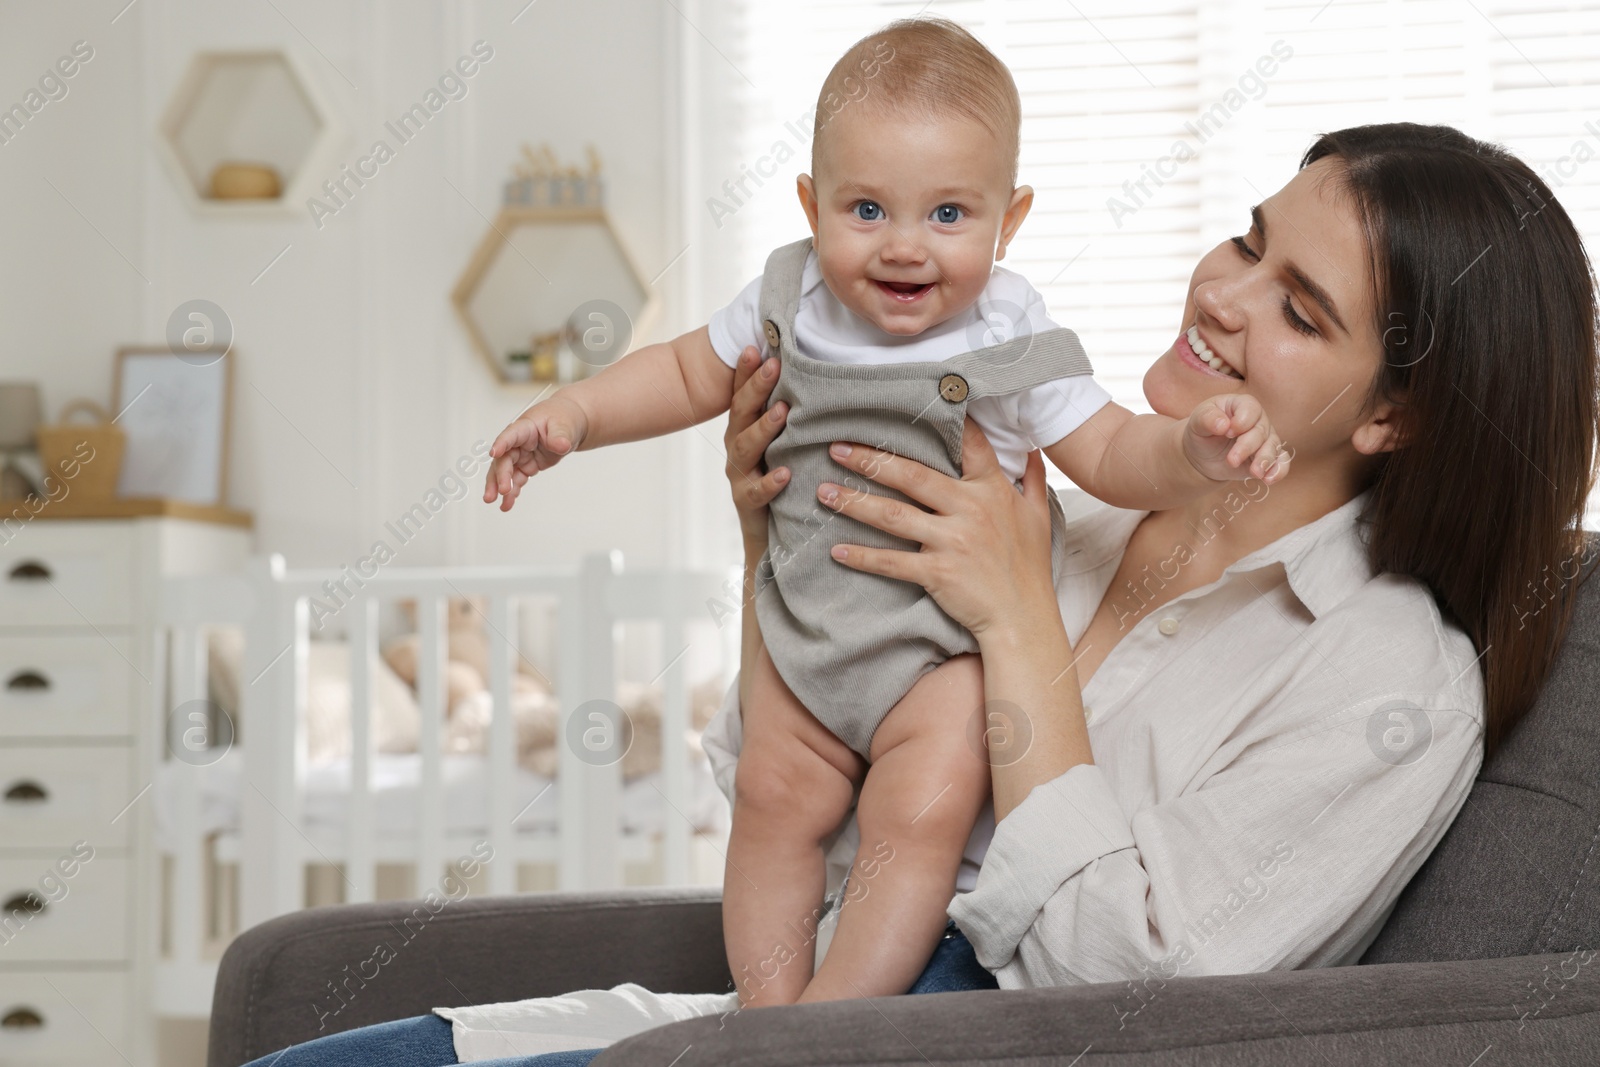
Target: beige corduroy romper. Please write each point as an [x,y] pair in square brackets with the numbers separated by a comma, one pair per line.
[850,644]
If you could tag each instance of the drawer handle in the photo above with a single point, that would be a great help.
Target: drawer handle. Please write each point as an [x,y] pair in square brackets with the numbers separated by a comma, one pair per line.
[26,793]
[28,679]
[22,1019]
[30,571]
[28,902]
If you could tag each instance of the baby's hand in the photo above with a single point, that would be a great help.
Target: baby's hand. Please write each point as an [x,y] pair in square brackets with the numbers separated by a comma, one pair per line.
[535,441]
[1226,430]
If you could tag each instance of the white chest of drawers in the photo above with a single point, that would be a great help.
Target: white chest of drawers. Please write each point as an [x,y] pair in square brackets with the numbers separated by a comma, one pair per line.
[82,711]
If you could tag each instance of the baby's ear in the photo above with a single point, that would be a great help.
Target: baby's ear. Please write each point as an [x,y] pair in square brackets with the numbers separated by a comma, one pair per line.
[807,191]
[1021,202]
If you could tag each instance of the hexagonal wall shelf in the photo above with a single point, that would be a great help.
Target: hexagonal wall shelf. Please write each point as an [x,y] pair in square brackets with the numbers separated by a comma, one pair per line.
[247,112]
[551,294]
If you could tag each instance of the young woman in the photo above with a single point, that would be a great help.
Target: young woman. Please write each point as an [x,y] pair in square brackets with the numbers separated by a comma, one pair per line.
[1230,733]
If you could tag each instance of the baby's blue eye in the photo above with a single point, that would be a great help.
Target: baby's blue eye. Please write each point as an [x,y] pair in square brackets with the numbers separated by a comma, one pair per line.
[867,211]
[947,213]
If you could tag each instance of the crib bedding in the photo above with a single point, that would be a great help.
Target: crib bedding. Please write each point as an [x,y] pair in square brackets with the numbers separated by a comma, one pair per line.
[396,781]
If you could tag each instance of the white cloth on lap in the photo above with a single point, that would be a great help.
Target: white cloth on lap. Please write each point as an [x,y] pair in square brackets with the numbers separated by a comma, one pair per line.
[589,1018]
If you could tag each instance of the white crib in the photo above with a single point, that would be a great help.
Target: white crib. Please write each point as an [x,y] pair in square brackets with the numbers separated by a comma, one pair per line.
[213,882]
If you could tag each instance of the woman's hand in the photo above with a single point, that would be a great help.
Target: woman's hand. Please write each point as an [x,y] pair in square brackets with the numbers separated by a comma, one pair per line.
[985,555]
[750,430]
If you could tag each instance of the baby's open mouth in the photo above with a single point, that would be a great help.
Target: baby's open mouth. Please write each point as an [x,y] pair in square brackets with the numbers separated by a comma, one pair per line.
[904,290]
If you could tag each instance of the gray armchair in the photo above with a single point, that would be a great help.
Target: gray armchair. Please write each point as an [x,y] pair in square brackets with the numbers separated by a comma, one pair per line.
[1489,957]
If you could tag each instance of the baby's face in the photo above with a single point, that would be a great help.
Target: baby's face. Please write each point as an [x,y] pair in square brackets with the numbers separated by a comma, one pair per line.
[909,215]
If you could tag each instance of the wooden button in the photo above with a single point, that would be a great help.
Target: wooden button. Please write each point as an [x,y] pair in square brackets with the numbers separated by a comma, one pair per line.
[772,333]
[953,387]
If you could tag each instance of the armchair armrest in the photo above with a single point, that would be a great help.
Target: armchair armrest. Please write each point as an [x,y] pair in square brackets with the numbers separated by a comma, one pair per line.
[1530,1009]
[324,970]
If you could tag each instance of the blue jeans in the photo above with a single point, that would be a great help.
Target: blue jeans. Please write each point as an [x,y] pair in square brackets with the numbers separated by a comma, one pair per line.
[426,1041]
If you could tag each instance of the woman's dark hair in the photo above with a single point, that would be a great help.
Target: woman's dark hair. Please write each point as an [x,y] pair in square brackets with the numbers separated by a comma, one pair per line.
[1485,302]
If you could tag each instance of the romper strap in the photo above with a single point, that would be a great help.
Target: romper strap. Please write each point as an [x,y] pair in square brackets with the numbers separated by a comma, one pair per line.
[780,292]
[1027,360]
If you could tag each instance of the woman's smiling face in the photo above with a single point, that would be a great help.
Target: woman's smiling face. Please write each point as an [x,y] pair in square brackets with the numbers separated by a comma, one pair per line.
[1288,307]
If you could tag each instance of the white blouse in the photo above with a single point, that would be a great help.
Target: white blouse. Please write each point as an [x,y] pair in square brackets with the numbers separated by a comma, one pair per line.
[1276,753]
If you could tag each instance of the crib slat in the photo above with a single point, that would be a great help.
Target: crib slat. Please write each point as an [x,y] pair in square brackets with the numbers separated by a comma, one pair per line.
[674,741]
[360,872]
[569,690]
[590,827]
[431,629]
[188,684]
[272,705]
[154,724]
[290,766]
[502,747]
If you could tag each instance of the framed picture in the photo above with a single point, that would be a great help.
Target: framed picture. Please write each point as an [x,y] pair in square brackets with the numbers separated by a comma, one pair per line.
[175,411]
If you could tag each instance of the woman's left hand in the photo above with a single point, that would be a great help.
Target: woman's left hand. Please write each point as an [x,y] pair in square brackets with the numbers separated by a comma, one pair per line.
[985,556]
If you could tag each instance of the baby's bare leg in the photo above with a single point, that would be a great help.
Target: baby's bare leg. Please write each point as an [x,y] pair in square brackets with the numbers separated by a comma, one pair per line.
[921,797]
[792,788]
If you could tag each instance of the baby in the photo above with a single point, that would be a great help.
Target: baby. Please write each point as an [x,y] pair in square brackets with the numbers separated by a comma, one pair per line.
[893,324]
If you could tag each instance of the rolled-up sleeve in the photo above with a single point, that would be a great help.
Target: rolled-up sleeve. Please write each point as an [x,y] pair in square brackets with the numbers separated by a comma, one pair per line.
[1286,856]
[1018,877]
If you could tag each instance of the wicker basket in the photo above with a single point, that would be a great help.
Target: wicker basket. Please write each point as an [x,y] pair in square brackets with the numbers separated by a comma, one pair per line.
[245,181]
[59,445]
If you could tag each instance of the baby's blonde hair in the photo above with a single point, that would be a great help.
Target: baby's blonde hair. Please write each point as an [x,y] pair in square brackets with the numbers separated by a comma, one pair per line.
[924,66]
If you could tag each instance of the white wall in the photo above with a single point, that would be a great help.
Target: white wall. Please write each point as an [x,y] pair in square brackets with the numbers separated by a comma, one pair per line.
[355,388]
[66,298]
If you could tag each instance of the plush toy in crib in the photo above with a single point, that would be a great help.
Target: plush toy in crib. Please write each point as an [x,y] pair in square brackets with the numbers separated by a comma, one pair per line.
[466,654]
[535,714]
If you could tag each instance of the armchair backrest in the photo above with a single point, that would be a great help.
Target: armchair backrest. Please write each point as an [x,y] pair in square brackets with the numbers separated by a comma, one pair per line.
[1518,872]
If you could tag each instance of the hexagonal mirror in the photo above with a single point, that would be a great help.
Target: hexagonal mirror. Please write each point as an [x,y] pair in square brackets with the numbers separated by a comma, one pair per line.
[241,129]
[552,294]
[535,278]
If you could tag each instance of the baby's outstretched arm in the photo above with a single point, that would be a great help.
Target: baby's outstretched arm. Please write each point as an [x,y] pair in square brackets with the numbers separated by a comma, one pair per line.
[1152,462]
[650,392]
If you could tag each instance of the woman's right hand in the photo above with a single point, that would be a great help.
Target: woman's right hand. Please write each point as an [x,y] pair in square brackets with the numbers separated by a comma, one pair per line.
[750,430]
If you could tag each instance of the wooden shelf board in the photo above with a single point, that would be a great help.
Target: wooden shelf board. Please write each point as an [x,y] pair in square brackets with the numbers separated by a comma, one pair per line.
[75,507]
